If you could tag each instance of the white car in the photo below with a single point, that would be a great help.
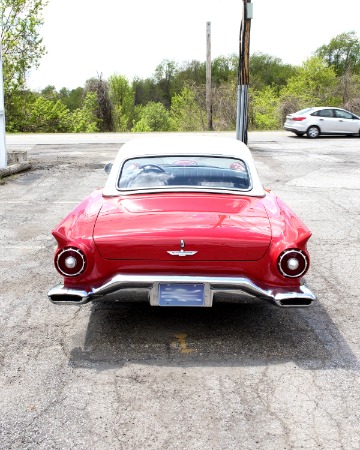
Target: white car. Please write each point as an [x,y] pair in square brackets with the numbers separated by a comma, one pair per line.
[326,120]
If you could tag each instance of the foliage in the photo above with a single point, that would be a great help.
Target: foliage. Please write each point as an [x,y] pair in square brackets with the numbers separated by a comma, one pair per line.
[186,114]
[38,114]
[192,72]
[224,69]
[354,105]
[161,87]
[165,74]
[84,119]
[224,105]
[314,84]
[153,117]
[267,70]
[73,98]
[47,116]
[174,98]
[21,44]
[50,93]
[348,87]
[288,105]
[264,109]
[342,53]
[17,106]
[144,91]
[104,110]
[121,97]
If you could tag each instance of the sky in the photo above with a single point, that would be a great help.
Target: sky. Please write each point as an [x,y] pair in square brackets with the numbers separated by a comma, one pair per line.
[88,38]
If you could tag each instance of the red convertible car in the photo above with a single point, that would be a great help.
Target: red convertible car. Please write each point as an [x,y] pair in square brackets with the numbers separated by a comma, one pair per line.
[186,219]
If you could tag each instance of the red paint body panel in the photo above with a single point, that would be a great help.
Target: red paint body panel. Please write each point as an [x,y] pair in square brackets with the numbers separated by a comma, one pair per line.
[234,236]
[217,227]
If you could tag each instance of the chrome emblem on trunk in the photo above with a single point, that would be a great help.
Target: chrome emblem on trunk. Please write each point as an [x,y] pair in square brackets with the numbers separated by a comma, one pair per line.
[181,252]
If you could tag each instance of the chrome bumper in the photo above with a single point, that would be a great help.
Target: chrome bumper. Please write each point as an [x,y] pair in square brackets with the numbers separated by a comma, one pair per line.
[300,296]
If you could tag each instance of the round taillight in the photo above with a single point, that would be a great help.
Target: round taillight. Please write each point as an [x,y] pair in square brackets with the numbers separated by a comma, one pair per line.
[70,262]
[293,263]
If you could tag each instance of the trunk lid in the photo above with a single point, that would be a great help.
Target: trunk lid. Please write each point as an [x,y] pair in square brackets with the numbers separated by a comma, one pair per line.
[216,227]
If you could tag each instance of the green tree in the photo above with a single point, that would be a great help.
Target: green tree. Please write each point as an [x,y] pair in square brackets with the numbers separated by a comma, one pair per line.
[144,90]
[224,69]
[73,98]
[267,70]
[264,109]
[48,116]
[186,114]
[314,84]
[354,104]
[153,117]
[224,105]
[122,100]
[104,111]
[165,74]
[22,46]
[192,72]
[84,119]
[18,106]
[342,53]
[50,93]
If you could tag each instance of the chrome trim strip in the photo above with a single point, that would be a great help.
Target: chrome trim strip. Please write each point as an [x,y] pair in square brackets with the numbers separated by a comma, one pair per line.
[181,252]
[280,296]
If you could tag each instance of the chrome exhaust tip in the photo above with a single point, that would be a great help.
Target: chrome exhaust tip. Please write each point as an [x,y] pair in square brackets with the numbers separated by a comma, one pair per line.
[62,296]
[294,302]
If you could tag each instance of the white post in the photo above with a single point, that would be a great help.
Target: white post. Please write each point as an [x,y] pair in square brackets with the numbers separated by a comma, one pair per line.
[3,155]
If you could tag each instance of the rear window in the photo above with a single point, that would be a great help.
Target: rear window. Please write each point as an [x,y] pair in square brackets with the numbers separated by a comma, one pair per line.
[184,172]
[304,111]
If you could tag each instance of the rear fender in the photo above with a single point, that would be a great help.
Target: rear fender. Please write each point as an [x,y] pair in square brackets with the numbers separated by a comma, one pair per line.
[287,229]
[76,230]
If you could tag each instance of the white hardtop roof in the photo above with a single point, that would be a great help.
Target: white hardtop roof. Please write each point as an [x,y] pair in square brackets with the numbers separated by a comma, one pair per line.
[187,146]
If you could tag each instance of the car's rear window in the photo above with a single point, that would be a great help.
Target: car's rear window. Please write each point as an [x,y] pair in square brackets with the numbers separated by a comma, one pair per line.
[304,111]
[191,171]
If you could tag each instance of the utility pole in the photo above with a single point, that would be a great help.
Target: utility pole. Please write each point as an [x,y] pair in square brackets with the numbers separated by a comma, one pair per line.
[3,155]
[243,80]
[208,77]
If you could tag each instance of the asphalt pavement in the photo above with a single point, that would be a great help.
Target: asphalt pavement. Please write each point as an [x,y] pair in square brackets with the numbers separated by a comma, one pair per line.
[118,375]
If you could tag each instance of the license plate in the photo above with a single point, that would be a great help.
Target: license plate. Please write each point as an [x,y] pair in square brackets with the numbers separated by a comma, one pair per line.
[178,294]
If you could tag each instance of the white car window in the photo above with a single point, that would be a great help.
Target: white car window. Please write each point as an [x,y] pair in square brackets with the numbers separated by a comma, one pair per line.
[343,114]
[323,113]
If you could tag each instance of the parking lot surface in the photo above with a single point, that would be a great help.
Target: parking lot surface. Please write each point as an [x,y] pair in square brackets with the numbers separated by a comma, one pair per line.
[114,375]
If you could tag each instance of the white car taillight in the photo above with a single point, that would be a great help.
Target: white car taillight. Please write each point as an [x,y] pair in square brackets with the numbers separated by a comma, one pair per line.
[298,119]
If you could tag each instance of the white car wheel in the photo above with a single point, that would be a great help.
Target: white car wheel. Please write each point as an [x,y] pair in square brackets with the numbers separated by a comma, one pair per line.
[313,132]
